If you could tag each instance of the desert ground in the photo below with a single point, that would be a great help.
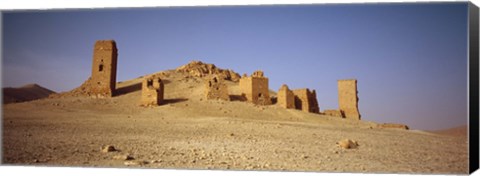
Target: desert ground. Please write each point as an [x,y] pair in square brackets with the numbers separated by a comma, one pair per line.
[189,132]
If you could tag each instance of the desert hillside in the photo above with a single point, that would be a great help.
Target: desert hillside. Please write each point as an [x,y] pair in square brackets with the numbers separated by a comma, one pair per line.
[25,93]
[460,131]
[189,132]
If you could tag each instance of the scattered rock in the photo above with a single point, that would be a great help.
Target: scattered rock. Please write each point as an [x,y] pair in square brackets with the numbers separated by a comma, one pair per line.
[156,161]
[108,148]
[347,144]
[123,157]
[135,163]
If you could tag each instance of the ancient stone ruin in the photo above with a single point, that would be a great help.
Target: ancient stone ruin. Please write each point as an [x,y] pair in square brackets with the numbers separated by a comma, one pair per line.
[393,125]
[102,82]
[348,99]
[334,112]
[306,100]
[215,88]
[152,91]
[285,97]
[104,68]
[255,88]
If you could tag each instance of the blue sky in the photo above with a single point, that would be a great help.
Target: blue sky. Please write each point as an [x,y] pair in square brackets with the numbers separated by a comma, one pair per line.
[410,60]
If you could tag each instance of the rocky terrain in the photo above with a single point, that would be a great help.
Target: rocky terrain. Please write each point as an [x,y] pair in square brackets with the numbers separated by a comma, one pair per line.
[25,93]
[189,132]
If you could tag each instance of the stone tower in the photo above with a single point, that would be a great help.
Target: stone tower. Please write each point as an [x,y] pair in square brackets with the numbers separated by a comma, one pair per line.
[104,68]
[255,88]
[306,100]
[152,91]
[285,97]
[348,98]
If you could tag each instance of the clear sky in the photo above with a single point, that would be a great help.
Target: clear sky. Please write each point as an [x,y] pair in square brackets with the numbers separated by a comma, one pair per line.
[410,60]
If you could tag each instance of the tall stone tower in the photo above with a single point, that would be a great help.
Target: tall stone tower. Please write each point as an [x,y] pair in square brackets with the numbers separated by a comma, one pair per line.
[348,98]
[104,68]
[255,88]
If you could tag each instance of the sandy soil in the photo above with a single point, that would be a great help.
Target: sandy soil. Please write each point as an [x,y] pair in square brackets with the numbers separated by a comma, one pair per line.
[189,132]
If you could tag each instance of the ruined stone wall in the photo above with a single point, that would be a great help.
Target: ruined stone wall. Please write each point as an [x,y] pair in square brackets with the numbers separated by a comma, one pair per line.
[255,88]
[334,112]
[215,88]
[348,98]
[306,100]
[152,91]
[104,68]
[285,97]
[393,125]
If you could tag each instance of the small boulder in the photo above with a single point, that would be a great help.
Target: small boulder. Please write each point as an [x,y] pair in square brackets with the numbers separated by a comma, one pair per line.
[347,144]
[108,148]
[135,163]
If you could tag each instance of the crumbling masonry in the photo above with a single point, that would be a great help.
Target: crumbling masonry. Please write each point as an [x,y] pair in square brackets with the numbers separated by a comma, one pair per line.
[285,97]
[306,100]
[152,91]
[348,98]
[255,88]
[215,88]
[334,112]
[104,70]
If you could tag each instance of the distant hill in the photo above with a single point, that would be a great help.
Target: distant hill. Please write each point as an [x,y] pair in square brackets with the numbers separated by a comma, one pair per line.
[27,92]
[456,131]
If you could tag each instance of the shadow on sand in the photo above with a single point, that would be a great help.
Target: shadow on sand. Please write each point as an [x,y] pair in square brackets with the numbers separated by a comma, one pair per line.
[174,100]
[237,98]
[128,89]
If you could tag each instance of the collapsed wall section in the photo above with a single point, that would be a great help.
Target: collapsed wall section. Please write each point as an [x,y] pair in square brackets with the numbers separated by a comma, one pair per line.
[306,100]
[285,97]
[215,88]
[152,91]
